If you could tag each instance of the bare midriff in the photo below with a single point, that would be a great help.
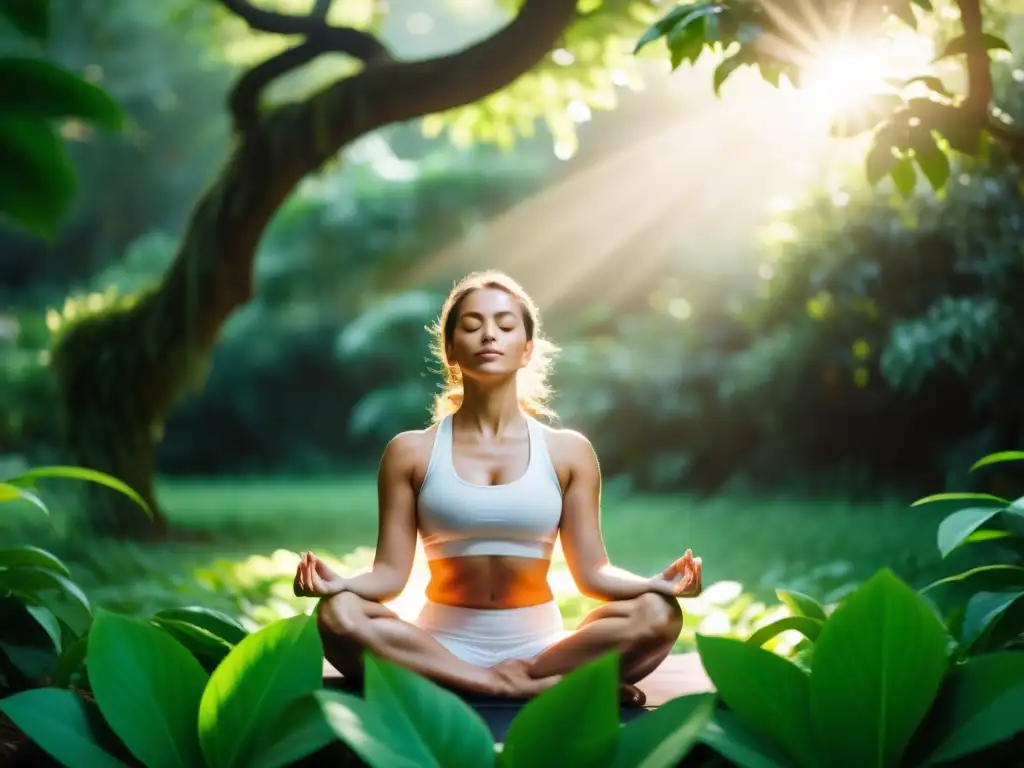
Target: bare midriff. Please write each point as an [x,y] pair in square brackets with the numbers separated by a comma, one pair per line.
[489,582]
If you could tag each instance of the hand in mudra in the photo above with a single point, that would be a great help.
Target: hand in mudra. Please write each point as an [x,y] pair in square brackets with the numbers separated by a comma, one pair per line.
[314,579]
[685,576]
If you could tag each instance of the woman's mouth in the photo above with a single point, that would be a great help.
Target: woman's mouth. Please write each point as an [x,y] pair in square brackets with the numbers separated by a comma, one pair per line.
[488,354]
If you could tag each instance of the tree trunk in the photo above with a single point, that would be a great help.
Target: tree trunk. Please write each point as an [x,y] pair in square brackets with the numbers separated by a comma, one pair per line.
[120,372]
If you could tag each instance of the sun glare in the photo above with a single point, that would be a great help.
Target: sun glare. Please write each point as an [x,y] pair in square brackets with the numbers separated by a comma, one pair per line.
[845,74]
[843,77]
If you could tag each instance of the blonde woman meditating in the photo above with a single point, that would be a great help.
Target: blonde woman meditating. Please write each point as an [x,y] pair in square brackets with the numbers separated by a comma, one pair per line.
[488,488]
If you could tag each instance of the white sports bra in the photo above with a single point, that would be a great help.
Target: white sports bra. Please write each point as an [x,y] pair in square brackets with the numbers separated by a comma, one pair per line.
[460,519]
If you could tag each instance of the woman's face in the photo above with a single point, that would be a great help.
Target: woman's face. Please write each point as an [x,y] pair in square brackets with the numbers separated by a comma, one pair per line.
[490,336]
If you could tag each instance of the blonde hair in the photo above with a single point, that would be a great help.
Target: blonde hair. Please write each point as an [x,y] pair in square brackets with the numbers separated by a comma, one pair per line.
[531,381]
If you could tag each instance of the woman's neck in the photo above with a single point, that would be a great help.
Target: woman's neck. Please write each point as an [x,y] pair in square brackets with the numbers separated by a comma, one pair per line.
[490,411]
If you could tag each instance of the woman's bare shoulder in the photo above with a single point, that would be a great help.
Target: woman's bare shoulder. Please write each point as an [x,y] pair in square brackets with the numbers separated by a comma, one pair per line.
[568,445]
[411,448]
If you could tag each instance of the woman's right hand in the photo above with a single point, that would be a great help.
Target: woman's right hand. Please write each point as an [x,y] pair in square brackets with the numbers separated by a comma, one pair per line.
[314,579]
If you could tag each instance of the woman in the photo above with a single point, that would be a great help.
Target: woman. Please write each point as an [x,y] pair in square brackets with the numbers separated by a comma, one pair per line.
[488,488]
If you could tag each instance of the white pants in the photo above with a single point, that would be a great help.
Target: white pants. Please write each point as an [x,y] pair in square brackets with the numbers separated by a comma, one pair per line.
[488,637]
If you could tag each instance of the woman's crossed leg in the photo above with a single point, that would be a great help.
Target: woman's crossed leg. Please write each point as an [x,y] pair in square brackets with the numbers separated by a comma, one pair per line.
[642,630]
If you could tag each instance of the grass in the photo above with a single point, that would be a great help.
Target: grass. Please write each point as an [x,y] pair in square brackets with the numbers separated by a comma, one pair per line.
[251,530]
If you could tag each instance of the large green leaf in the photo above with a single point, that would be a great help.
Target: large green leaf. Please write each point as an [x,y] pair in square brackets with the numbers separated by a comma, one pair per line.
[49,623]
[964,43]
[148,687]
[40,89]
[43,586]
[33,556]
[962,496]
[575,723]
[675,21]
[300,730]
[59,722]
[984,578]
[878,664]
[998,458]
[208,649]
[801,604]
[986,611]
[768,693]
[987,534]
[429,725]
[70,662]
[30,478]
[10,492]
[662,738]
[981,704]
[362,728]
[34,661]
[37,180]
[30,17]
[955,529]
[248,691]
[809,628]
[217,623]
[742,746]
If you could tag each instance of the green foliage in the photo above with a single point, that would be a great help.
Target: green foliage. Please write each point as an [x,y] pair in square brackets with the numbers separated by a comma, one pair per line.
[46,615]
[993,616]
[37,179]
[908,699]
[148,687]
[583,73]
[32,19]
[249,689]
[165,709]
[63,722]
[256,699]
[911,703]
[915,125]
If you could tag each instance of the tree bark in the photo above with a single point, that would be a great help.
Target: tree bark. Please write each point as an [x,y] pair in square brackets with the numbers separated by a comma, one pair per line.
[121,372]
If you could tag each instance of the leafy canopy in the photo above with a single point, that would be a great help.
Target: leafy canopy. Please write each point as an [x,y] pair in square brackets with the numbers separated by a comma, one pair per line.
[916,122]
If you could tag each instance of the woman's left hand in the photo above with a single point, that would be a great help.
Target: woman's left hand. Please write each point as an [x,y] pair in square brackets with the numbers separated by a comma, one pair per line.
[684,577]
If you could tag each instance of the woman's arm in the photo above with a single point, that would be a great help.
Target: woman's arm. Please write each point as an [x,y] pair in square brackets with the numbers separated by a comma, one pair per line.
[580,530]
[396,536]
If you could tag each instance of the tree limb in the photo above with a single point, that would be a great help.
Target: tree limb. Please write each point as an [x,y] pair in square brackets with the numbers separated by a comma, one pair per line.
[980,89]
[398,91]
[979,73]
[286,145]
[244,101]
[262,20]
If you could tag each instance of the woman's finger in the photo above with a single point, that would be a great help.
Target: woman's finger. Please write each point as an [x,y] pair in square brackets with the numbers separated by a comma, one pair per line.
[683,585]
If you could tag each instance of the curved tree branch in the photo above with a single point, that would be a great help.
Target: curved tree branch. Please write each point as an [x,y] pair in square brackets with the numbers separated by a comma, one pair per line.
[296,139]
[244,101]
[263,20]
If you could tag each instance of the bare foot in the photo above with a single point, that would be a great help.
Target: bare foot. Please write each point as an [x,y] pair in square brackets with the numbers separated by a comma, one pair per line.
[630,694]
[515,680]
